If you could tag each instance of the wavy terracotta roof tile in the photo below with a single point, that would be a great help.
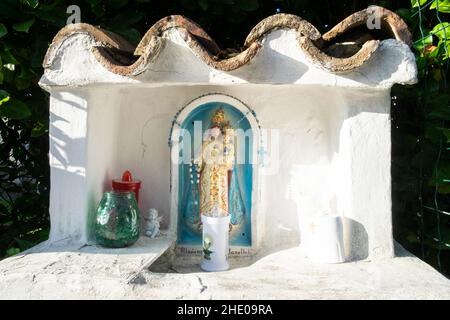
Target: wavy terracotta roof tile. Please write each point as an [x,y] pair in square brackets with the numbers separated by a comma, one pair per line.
[327,51]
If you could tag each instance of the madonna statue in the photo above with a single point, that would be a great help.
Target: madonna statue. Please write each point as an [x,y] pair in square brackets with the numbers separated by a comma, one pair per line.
[215,165]
[214,188]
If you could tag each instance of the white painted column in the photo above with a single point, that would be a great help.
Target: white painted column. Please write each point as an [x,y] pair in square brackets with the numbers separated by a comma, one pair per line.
[366,201]
[68,160]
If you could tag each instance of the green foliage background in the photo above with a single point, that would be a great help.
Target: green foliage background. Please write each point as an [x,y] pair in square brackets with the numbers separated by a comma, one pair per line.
[420,113]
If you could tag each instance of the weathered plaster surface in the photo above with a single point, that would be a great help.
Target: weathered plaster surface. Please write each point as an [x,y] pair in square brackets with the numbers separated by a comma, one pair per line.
[113,52]
[328,140]
[80,263]
[338,123]
[280,61]
[283,275]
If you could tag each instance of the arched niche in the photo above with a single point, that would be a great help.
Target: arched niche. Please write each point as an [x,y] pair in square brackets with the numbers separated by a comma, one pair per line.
[189,125]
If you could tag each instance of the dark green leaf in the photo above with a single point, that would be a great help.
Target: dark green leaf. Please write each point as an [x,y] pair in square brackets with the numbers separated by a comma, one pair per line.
[25,72]
[97,7]
[39,51]
[405,14]
[43,234]
[441,174]
[22,84]
[4,96]
[189,4]
[1,70]
[10,9]
[32,3]
[123,20]
[8,75]
[432,133]
[204,4]
[247,5]
[3,30]
[12,251]
[8,58]
[24,78]
[39,130]
[116,4]
[54,17]
[15,109]
[446,133]
[439,107]
[131,34]
[24,26]
[23,244]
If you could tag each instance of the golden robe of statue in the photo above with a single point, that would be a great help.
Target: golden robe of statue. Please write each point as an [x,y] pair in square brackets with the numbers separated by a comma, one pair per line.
[216,161]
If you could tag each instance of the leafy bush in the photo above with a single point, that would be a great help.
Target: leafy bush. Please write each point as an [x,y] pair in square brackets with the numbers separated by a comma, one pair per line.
[420,135]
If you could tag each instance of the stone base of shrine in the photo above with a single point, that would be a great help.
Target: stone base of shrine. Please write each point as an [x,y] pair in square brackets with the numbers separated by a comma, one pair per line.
[140,272]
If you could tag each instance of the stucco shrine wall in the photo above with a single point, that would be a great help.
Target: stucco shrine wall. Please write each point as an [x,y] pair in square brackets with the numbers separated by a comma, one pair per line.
[112,106]
[328,140]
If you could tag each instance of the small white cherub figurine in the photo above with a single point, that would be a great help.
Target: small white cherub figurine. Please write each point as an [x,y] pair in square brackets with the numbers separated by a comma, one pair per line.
[152,223]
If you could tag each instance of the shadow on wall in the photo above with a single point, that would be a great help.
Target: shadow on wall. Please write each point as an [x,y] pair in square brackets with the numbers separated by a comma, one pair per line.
[67,151]
[68,167]
[356,240]
[291,70]
[324,183]
[177,57]
[68,212]
[282,67]
[60,143]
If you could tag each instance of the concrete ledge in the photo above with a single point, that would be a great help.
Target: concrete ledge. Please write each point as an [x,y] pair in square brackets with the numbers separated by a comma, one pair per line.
[57,267]
[86,273]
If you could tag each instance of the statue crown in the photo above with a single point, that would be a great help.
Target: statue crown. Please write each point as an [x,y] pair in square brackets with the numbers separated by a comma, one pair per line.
[218,117]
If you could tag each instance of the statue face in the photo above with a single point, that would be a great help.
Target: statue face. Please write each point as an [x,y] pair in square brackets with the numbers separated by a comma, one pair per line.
[212,134]
[153,213]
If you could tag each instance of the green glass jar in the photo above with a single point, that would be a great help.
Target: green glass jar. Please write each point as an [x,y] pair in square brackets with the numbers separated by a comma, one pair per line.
[117,221]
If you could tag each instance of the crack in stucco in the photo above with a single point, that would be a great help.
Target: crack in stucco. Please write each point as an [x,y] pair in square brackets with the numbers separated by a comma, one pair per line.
[203,287]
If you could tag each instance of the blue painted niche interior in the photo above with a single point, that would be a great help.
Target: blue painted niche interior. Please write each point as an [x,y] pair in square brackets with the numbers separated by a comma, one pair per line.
[189,232]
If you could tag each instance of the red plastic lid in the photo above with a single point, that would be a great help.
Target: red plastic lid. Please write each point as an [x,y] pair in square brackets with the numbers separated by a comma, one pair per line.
[126,183]
[126,176]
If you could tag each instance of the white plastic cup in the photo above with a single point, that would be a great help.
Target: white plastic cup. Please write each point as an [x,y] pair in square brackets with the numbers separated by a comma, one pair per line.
[215,244]
[325,240]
